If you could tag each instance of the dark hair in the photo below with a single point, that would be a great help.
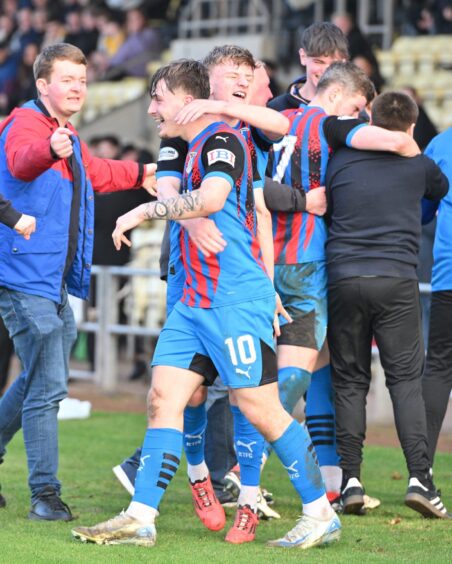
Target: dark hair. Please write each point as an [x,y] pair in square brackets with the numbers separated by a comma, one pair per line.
[42,67]
[350,77]
[225,53]
[324,39]
[395,111]
[187,74]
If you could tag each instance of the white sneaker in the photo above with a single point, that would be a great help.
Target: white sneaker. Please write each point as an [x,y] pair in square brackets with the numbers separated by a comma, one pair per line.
[264,511]
[122,529]
[309,532]
[232,483]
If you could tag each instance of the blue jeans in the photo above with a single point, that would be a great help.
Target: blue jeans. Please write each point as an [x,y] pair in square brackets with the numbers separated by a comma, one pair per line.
[43,333]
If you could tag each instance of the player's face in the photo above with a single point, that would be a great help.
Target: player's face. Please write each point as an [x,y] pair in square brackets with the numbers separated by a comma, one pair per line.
[316,66]
[231,82]
[349,104]
[164,107]
[260,90]
[65,92]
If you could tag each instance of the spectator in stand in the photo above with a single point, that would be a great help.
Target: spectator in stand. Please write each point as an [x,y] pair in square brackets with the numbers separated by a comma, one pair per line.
[25,87]
[141,45]
[9,63]
[40,18]
[365,64]
[443,16]
[111,33]
[55,33]
[6,27]
[89,29]
[131,152]
[25,33]
[76,35]
[361,52]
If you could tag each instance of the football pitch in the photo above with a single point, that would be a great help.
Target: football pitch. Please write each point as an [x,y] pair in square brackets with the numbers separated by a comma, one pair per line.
[90,448]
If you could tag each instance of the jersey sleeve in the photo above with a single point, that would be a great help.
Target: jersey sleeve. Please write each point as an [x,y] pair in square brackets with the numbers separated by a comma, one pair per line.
[171,159]
[223,156]
[437,184]
[260,140]
[339,130]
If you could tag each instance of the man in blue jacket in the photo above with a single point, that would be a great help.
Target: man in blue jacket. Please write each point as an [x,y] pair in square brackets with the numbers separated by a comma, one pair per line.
[48,173]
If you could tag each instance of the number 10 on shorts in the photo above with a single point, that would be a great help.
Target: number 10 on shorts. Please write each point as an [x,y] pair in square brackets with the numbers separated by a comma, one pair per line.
[241,349]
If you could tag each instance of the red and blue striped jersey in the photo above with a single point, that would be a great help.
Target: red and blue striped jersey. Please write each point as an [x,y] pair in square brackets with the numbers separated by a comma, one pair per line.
[237,273]
[300,160]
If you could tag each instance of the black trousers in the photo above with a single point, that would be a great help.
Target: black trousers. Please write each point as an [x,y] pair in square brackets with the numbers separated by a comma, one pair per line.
[389,309]
[437,382]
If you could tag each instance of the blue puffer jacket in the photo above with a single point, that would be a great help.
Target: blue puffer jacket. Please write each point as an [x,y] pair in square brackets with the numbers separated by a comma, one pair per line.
[41,186]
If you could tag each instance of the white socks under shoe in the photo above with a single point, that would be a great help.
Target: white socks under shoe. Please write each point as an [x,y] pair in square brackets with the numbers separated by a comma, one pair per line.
[141,512]
[197,472]
[319,509]
[248,496]
[332,477]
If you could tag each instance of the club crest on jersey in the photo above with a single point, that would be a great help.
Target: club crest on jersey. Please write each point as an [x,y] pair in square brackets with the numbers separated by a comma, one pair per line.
[168,154]
[244,131]
[221,155]
[190,160]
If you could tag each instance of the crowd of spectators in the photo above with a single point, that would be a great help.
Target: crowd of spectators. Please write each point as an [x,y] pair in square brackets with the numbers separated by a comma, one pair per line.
[118,38]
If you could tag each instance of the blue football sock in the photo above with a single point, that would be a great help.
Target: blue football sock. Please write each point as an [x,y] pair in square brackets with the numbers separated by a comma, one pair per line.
[195,422]
[292,385]
[248,446]
[320,417]
[297,454]
[160,458]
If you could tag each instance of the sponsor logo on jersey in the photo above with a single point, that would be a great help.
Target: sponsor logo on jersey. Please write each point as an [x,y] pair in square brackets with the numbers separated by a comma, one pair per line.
[345,117]
[225,139]
[221,155]
[168,154]
[190,159]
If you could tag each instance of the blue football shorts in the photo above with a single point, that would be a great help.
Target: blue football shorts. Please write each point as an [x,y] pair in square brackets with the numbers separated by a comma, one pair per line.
[303,292]
[235,340]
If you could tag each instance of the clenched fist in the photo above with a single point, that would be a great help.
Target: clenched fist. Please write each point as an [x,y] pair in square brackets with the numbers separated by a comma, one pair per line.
[61,142]
[26,225]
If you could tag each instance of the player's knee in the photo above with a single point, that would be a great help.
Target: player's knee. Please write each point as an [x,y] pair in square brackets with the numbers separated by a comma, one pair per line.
[155,402]
[199,397]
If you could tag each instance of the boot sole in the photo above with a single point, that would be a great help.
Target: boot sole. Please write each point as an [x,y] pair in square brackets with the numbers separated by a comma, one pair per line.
[418,503]
[353,505]
[35,517]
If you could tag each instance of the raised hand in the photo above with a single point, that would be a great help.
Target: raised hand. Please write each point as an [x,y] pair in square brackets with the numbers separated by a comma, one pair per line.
[61,142]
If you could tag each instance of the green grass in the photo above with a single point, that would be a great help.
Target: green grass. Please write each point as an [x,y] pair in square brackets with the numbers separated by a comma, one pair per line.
[90,448]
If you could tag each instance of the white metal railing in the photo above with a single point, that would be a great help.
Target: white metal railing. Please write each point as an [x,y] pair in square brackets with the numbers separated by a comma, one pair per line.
[107,328]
